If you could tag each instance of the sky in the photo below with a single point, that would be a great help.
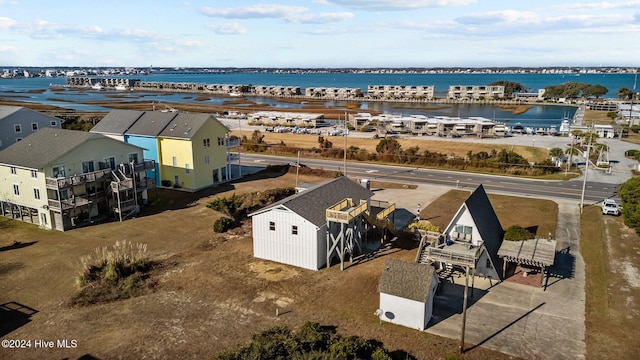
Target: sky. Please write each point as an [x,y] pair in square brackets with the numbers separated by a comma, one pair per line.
[319,33]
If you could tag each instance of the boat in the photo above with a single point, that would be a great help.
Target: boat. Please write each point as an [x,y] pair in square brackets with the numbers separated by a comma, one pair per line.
[122,87]
[565,126]
[235,94]
[96,86]
[517,128]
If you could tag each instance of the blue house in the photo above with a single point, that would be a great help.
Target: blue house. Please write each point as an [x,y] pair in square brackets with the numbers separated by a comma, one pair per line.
[144,133]
[140,128]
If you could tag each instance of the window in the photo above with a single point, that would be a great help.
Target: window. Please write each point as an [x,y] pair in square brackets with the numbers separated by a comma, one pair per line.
[272,225]
[18,139]
[36,193]
[14,171]
[206,143]
[87,166]
[16,189]
[133,158]
[17,128]
[220,141]
[462,229]
[34,126]
[54,123]
[111,162]
[206,159]
[186,168]
[488,263]
[174,161]
[34,174]
[58,171]
[294,230]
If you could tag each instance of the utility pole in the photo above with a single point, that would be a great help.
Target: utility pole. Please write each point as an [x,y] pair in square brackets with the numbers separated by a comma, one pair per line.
[464,308]
[586,171]
[345,143]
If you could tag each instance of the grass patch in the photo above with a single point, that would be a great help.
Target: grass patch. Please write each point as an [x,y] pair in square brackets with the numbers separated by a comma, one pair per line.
[612,298]
[113,274]
[536,215]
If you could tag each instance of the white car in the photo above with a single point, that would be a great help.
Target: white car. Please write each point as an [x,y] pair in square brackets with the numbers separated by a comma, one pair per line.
[610,207]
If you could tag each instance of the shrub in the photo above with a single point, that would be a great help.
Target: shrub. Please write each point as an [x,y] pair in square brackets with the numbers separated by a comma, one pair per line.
[630,194]
[423,225]
[517,233]
[223,224]
[112,274]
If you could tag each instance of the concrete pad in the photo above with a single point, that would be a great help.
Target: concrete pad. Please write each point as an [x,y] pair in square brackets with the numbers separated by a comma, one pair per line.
[407,201]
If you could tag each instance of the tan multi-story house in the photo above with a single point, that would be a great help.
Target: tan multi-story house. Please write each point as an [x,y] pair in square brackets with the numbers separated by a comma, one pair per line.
[61,179]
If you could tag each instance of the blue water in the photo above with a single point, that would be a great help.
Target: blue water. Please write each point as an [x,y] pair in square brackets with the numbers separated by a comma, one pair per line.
[537,116]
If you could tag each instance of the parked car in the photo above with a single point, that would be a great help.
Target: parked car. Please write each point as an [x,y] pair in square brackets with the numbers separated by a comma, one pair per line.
[610,207]
[297,164]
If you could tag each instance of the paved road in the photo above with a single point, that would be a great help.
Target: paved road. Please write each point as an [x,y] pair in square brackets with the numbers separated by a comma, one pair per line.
[571,189]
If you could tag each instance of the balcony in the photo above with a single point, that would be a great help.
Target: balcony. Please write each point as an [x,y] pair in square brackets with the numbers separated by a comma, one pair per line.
[61,183]
[66,204]
[145,165]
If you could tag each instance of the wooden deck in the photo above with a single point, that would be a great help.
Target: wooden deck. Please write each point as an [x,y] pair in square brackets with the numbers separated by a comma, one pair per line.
[534,252]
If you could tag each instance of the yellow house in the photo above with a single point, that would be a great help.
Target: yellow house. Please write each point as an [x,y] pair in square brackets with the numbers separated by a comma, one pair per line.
[61,179]
[193,152]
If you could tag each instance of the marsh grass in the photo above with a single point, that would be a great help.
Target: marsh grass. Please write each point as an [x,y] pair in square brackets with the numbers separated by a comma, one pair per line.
[110,274]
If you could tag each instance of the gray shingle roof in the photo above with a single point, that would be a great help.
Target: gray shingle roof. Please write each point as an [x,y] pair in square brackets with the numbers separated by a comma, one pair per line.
[117,122]
[19,113]
[407,280]
[44,146]
[312,204]
[185,125]
[5,111]
[151,123]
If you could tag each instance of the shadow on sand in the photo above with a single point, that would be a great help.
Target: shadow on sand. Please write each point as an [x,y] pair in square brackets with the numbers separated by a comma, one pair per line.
[13,315]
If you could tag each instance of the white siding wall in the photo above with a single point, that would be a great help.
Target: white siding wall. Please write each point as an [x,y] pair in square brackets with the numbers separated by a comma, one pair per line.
[281,246]
[403,311]
[464,218]
[487,271]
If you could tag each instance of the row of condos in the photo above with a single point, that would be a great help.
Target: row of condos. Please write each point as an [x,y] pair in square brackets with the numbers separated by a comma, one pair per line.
[291,119]
[190,150]
[444,126]
[62,179]
[333,93]
[392,92]
[87,81]
[476,92]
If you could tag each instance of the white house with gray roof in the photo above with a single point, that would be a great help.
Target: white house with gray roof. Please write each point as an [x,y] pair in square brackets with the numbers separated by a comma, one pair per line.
[16,123]
[406,293]
[294,230]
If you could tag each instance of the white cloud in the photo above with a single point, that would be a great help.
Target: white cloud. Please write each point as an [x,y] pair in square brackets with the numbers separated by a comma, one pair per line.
[227,29]
[597,6]
[8,2]
[321,18]
[258,11]
[6,23]
[399,4]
